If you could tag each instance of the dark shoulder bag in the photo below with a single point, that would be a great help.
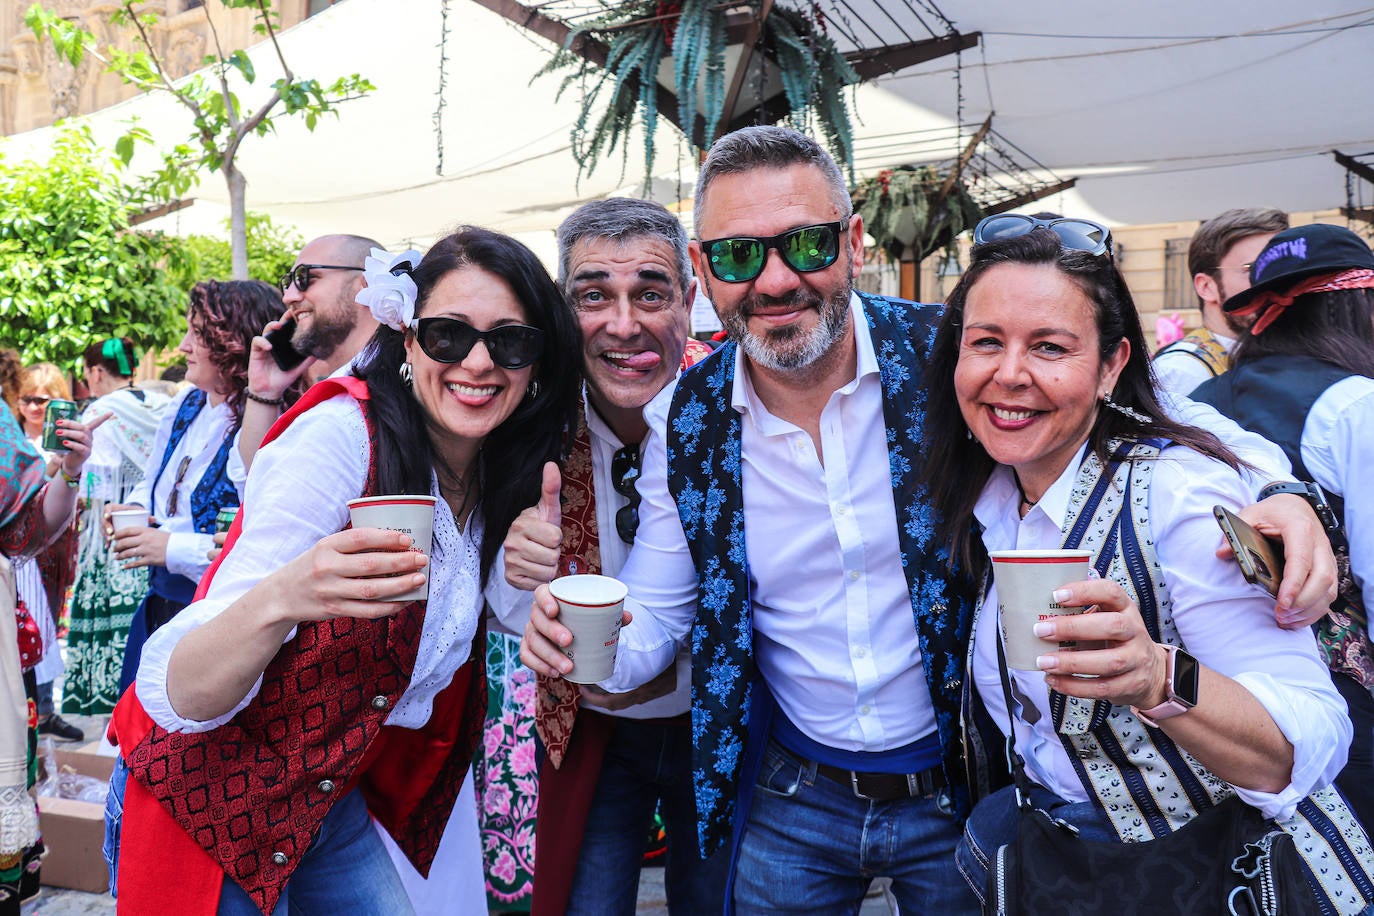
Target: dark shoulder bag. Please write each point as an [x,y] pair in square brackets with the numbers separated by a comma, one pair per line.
[1228,860]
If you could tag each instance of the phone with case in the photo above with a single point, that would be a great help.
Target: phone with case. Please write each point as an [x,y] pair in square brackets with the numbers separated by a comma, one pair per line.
[286,356]
[1260,558]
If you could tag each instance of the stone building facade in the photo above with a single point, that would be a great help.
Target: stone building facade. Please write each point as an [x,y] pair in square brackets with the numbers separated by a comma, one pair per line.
[37,87]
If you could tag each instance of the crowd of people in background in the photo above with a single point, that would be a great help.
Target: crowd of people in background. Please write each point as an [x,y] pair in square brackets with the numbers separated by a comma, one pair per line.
[809,689]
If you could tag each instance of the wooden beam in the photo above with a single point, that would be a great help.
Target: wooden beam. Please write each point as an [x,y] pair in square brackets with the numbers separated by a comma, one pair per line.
[1354,165]
[969,149]
[1363,214]
[1021,200]
[750,38]
[874,62]
[152,213]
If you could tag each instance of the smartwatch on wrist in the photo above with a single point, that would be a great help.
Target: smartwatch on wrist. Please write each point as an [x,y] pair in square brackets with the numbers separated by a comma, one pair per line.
[1181,675]
[1316,499]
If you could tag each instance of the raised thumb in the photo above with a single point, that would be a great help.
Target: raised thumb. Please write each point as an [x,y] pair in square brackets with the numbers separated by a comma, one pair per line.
[550,508]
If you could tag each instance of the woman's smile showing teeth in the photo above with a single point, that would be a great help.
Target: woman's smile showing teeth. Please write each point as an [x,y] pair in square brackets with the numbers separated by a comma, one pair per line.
[1013,414]
[473,395]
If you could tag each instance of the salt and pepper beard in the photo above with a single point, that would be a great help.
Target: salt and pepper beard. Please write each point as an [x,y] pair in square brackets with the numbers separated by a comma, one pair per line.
[769,351]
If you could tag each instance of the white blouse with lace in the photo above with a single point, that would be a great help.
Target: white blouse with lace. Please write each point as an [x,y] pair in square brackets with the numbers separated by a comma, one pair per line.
[297,493]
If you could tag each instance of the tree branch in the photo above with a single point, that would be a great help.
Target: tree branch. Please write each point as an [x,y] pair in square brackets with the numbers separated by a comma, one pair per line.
[248,126]
[272,37]
[147,43]
[221,69]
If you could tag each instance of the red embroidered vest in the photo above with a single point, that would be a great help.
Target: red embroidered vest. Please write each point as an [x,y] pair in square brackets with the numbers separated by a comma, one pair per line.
[252,793]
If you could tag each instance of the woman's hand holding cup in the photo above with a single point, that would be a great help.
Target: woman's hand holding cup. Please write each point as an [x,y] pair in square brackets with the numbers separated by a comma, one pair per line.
[1128,671]
[358,572]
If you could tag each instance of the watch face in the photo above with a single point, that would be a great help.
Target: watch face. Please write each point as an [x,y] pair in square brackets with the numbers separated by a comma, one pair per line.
[1186,675]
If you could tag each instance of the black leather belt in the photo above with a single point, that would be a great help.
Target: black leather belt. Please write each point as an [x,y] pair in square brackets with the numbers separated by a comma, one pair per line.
[887,786]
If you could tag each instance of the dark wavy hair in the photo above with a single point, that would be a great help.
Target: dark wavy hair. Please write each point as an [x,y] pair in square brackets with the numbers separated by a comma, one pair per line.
[226,315]
[957,466]
[94,355]
[511,461]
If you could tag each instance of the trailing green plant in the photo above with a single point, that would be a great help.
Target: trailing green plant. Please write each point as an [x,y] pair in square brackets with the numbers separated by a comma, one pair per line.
[640,35]
[71,269]
[908,219]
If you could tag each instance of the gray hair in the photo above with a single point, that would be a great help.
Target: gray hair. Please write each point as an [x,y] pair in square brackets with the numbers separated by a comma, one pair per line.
[621,219]
[771,147]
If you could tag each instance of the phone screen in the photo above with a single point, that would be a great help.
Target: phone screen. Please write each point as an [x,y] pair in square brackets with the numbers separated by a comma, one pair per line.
[286,356]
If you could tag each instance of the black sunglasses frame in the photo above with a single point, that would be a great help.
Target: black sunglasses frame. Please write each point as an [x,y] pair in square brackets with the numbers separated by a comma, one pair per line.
[492,339]
[624,476]
[1031,223]
[173,498]
[299,276]
[775,243]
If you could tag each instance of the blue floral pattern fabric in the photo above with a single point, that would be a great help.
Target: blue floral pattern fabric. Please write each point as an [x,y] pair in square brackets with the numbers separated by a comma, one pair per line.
[215,490]
[704,464]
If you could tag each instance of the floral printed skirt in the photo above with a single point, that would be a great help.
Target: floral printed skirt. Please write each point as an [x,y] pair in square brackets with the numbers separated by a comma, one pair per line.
[103,605]
[506,778]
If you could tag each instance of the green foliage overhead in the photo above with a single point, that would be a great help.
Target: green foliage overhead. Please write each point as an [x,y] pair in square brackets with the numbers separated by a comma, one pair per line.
[271,253]
[71,271]
[903,210]
[639,36]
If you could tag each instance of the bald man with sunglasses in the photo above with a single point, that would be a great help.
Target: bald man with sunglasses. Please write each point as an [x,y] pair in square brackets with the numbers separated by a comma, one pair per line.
[785,537]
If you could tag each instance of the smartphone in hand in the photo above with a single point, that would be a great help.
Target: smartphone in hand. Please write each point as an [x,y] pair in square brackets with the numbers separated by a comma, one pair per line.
[1260,558]
[286,356]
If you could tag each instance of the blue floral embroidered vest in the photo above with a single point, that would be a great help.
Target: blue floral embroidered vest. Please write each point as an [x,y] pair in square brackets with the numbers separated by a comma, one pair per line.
[214,491]
[704,477]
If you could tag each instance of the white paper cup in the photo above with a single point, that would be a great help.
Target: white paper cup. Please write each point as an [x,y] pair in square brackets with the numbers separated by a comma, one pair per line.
[128,518]
[1026,579]
[590,606]
[413,515]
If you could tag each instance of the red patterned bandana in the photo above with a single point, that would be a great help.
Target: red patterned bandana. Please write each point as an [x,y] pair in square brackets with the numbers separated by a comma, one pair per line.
[1270,305]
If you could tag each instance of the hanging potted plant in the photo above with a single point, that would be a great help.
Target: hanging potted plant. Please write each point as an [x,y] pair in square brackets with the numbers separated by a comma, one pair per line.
[656,45]
[910,215]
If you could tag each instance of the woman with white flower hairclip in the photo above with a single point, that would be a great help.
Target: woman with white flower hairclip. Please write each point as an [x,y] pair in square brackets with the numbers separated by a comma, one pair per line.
[296,699]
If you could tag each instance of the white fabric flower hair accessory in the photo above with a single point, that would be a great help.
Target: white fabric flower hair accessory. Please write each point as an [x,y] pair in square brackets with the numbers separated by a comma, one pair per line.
[390,293]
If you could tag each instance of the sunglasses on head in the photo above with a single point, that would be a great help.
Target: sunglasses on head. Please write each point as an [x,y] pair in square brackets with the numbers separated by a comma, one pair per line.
[805,249]
[448,340]
[299,276]
[1074,234]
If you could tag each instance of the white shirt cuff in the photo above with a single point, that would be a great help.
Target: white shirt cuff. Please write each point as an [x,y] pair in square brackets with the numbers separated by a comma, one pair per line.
[1319,736]
[151,682]
[187,554]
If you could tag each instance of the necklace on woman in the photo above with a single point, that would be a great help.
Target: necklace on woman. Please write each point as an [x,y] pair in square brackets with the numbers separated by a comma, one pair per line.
[1026,504]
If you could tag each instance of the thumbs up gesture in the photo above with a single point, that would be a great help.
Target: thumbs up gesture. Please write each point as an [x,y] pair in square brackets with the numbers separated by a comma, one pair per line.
[532,546]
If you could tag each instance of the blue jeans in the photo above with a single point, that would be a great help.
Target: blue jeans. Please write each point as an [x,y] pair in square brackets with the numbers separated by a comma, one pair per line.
[993,824]
[345,870]
[647,765]
[812,846]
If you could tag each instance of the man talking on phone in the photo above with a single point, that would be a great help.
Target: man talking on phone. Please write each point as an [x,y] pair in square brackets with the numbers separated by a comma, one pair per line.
[327,330]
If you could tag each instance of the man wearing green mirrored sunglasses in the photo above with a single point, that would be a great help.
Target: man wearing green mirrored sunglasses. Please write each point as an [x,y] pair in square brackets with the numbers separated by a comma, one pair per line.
[782,537]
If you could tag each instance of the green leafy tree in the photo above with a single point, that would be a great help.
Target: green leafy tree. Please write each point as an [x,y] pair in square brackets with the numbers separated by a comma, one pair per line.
[221,122]
[71,270]
[271,252]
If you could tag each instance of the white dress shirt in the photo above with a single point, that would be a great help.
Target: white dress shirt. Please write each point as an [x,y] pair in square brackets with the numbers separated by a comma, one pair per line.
[1338,448]
[1179,372]
[835,636]
[298,492]
[512,606]
[1225,622]
[187,549]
